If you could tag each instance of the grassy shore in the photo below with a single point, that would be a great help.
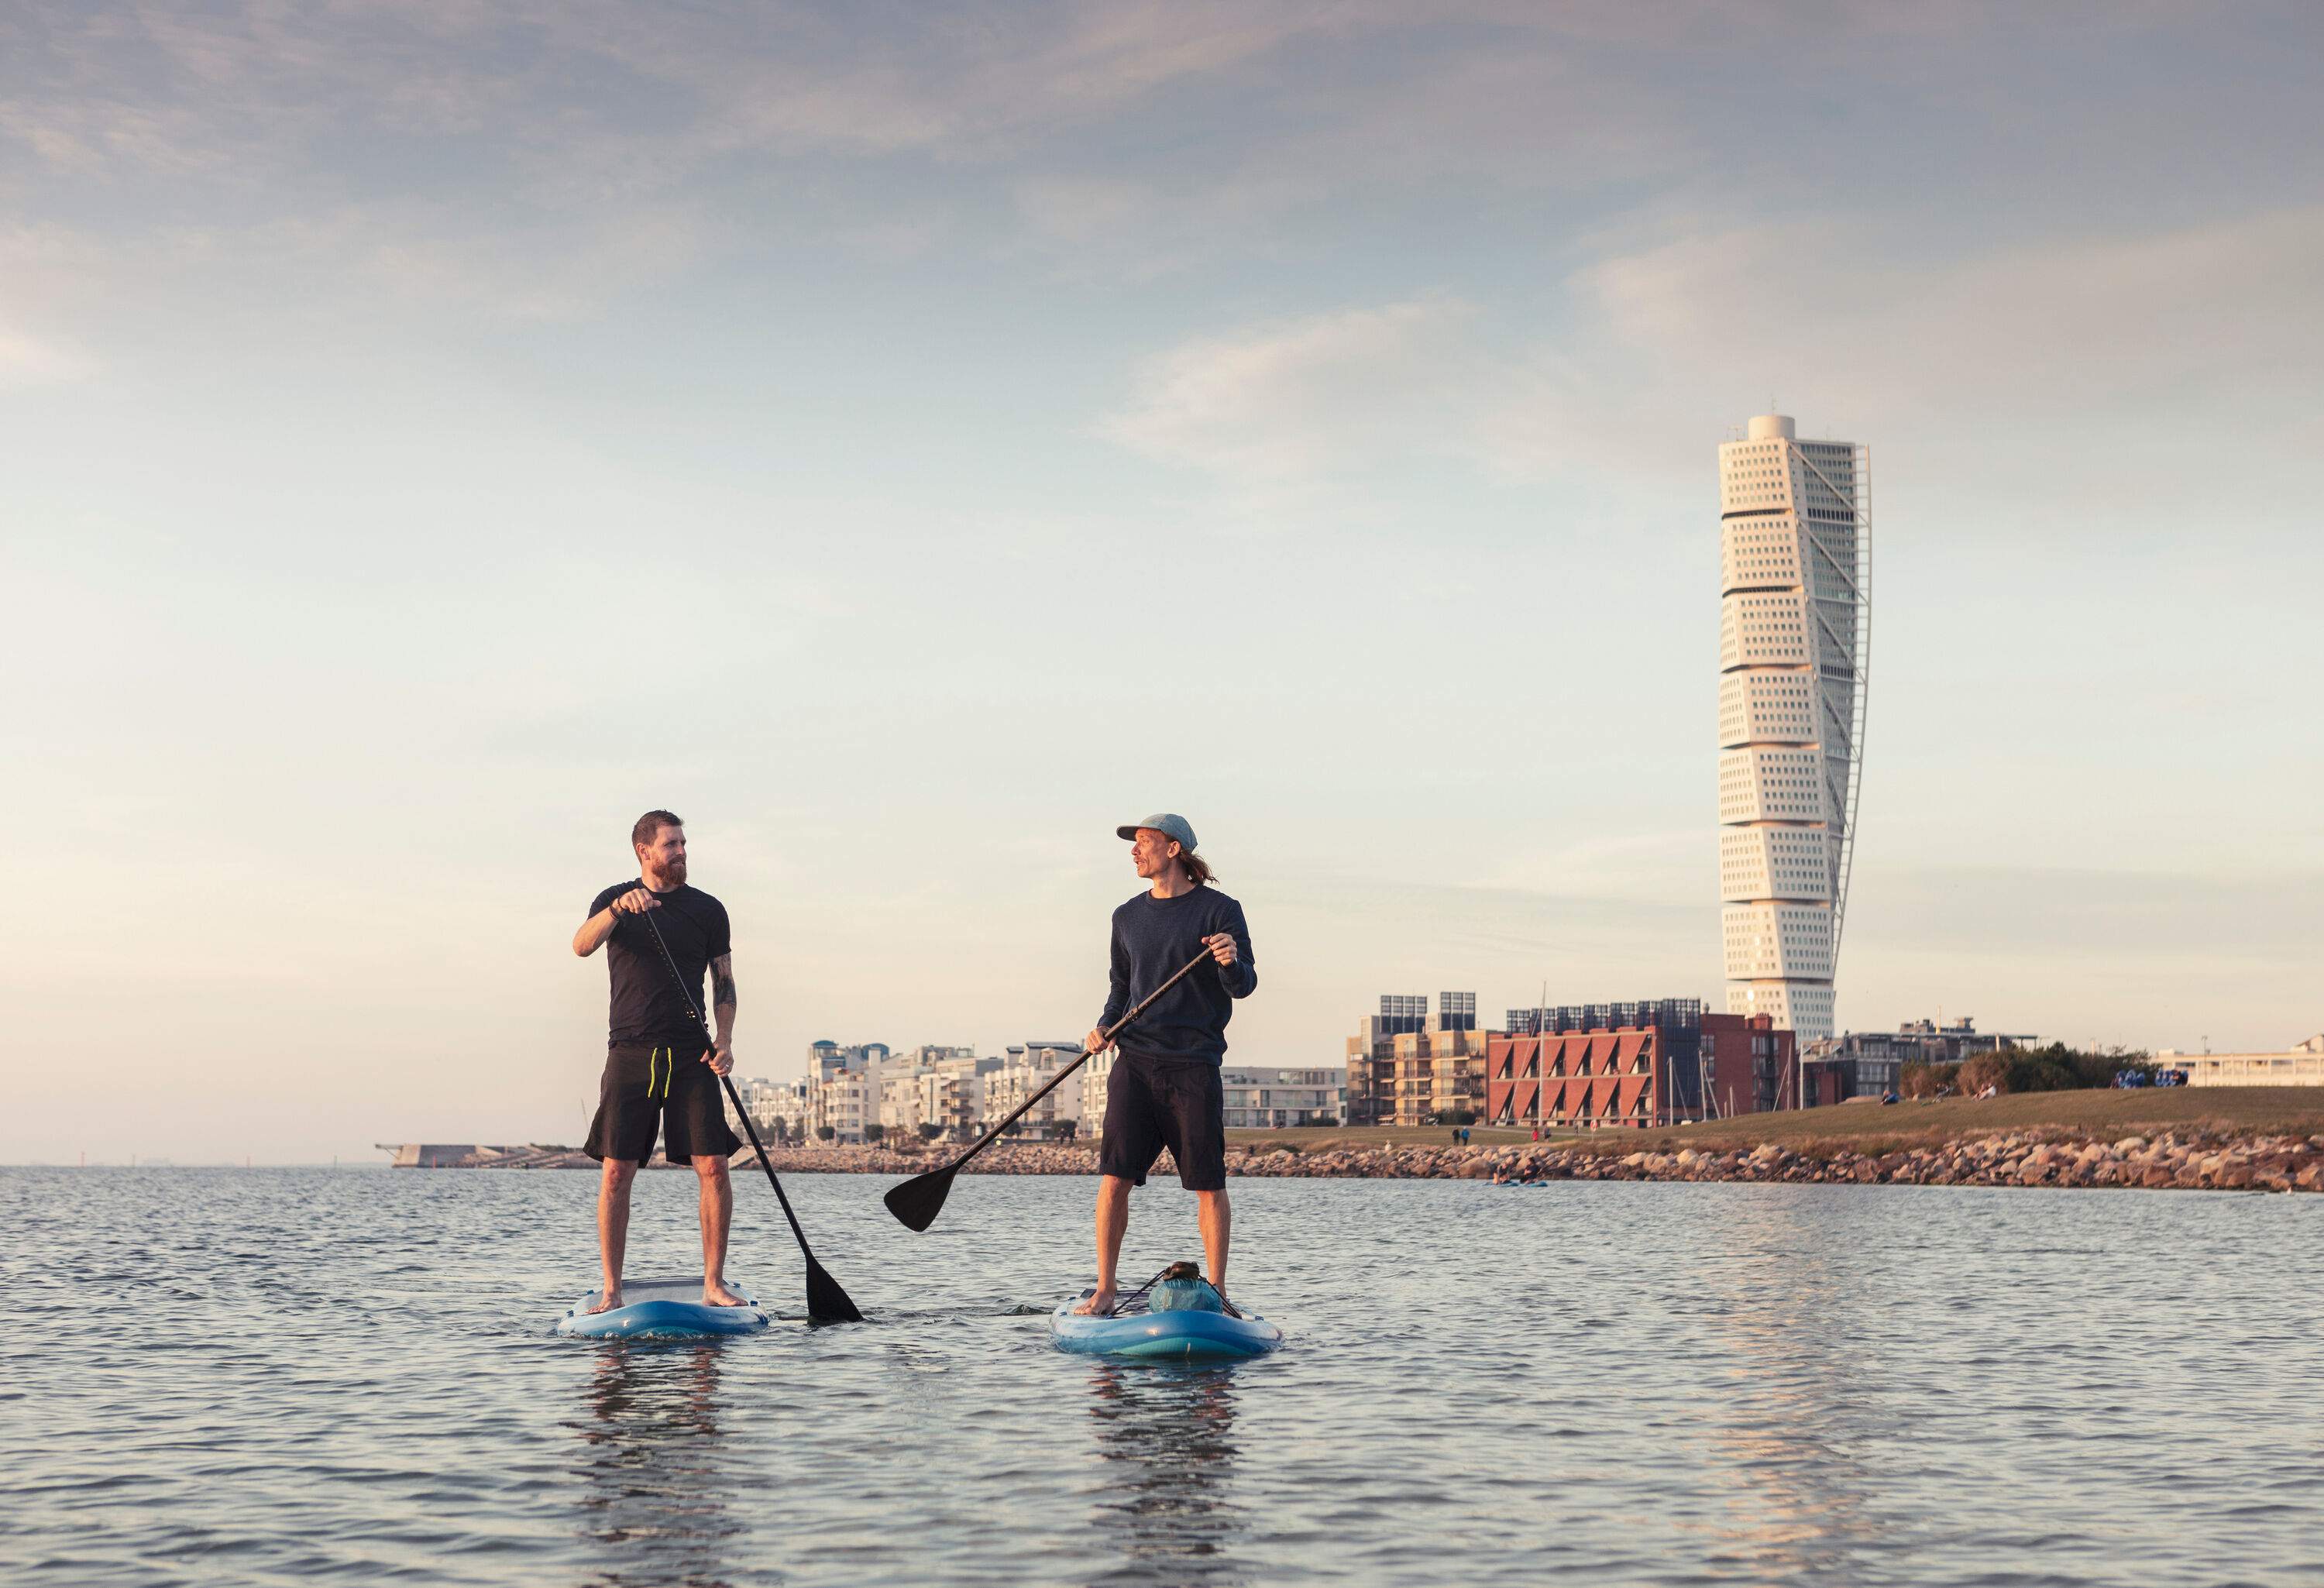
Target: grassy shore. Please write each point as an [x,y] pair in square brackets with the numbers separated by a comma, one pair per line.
[1871,1128]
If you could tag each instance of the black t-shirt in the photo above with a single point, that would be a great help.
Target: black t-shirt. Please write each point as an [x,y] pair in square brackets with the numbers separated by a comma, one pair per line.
[647,1007]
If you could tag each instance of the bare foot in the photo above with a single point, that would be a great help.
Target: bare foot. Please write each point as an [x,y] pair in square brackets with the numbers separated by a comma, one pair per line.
[716,1294]
[607,1302]
[1097,1303]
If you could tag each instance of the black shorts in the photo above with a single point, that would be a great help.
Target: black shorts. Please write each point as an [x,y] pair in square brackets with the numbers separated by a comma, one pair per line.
[667,1090]
[1150,1104]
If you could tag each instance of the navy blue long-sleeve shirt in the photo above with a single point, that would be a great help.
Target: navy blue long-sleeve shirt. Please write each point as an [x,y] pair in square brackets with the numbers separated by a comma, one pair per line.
[1152,938]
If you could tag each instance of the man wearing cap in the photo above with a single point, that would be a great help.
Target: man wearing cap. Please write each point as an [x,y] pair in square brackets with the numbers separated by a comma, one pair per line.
[1164,1089]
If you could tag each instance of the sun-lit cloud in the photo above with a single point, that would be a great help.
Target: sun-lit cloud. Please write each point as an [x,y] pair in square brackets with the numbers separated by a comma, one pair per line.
[1293,402]
[2033,357]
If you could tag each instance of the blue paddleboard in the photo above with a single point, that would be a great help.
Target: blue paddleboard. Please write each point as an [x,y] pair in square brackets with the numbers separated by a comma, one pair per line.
[663,1309]
[1178,1334]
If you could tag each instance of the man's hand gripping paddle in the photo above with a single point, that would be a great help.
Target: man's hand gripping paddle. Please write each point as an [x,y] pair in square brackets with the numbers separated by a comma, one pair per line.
[917,1202]
[826,1303]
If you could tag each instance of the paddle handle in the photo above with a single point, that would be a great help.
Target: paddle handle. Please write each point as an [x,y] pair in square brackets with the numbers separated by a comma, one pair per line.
[1106,1041]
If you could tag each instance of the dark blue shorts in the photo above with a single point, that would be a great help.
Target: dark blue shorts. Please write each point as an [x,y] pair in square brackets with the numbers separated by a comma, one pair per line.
[1153,1103]
[664,1091]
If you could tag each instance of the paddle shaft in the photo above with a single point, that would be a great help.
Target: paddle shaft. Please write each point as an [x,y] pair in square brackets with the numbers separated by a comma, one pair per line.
[709,1044]
[1106,1041]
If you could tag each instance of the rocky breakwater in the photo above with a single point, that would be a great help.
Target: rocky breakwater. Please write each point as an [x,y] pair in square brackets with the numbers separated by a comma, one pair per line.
[1006,1158]
[2170,1161]
[2189,1161]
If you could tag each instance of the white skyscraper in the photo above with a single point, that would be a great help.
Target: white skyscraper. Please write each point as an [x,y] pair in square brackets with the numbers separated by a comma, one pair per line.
[1795,551]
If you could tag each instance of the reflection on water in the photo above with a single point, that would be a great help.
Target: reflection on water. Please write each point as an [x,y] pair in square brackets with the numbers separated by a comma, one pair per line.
[1166,1435]
[651,1512]
[1787,1341]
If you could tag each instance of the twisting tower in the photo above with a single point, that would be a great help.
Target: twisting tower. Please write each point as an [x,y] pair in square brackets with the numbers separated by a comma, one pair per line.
[1795,551]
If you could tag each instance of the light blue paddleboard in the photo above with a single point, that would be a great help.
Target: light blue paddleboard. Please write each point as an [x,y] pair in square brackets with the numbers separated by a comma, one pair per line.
[1176,1335]
[663,1309]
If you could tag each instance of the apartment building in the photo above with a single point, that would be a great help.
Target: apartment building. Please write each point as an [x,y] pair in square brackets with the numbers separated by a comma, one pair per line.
[1270,1098]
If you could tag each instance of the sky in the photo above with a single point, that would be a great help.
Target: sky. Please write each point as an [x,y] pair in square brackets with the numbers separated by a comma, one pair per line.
[909,442]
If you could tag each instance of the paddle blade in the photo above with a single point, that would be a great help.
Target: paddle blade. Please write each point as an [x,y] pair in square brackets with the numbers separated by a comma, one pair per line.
[917,1202]
[826,1303]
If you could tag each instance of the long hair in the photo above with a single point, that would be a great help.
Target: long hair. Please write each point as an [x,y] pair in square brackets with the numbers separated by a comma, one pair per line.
[1198,869]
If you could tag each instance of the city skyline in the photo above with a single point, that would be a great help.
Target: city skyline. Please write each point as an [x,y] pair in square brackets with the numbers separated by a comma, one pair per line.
[907,452]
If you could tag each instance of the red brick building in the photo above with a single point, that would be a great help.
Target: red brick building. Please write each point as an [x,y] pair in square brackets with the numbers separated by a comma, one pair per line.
[1641,1075]
[1752,1066]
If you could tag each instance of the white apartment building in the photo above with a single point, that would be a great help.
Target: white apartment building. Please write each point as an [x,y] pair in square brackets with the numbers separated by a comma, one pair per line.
[1097,1076]
[952,1093]
[2302,1065]
[1795,564]
[1028,1068]
[901,1099]
[846,1100]
[1271,1098]
[775,1106]
[1254,1097]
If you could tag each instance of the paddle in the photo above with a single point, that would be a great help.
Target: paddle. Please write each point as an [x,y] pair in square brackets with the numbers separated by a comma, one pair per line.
[917,1202]
[826,1303]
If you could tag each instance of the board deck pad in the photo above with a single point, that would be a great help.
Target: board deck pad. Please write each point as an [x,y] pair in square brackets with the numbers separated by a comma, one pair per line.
[663,1309]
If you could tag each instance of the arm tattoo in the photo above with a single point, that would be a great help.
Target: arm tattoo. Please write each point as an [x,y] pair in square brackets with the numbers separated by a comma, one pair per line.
[722,979]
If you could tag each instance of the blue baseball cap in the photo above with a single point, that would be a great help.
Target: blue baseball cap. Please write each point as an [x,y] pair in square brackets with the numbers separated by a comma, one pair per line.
[1164,823]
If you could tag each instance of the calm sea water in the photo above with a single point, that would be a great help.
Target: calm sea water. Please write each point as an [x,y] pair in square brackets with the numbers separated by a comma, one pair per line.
[298,1376]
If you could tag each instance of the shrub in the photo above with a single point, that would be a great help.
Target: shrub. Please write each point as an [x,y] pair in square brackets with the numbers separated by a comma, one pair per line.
[2054,1069]
[930,1132]
[874,1133]
[826,1132]
[1926,1080]
[1983,1070]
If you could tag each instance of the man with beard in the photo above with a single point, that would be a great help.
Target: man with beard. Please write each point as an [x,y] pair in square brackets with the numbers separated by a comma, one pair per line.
[658,1078]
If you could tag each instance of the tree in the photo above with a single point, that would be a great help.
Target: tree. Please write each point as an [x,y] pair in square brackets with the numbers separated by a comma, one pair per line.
[930,1132]
[874,1133]
[826,1132]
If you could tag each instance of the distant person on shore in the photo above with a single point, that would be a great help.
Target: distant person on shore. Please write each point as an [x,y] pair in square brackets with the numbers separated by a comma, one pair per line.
[658,1078]
[1164,1090]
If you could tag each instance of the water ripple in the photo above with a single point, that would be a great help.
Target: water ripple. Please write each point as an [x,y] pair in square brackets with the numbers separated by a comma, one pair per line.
[271,1377]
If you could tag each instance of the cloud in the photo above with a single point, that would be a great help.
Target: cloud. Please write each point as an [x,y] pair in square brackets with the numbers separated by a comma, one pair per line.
[1289,403]
[2027,362]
